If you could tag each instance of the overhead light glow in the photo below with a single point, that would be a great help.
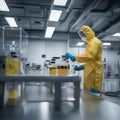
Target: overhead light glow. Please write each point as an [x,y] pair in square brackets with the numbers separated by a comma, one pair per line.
[3,6]
[11,21]
[116,34]
[55,15]
[60,2]
[49,32]
[106,44]
[80,43]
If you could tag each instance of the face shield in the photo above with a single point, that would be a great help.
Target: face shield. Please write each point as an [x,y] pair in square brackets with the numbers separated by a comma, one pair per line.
[82,36]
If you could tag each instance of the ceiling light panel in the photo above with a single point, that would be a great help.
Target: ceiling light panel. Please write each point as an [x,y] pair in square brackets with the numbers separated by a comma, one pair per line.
[116,34]
[80,43]
[49,32]
[60,2]
[106,44]
[55,15]
[3,6]
[11,21]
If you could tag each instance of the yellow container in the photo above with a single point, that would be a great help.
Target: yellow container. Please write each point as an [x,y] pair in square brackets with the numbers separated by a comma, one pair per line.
[63,70]
[12,66]
[12,93]
[60,70]
[12,102]
[12,97]
[33,73]
[53,70]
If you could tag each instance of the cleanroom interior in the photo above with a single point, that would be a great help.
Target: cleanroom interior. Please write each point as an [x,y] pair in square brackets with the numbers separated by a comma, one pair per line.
[37,80]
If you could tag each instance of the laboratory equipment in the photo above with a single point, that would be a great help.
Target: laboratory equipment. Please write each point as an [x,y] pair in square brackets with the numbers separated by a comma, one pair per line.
[111,80]
[13,46]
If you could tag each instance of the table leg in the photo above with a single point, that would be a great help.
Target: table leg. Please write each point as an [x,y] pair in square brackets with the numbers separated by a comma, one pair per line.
[57,96]
[51,87]
[77,94]
[2,85]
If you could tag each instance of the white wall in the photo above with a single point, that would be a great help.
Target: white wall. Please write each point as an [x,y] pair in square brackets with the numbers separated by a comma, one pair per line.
[51,48]
[111,55]
[35,50]
[57,48]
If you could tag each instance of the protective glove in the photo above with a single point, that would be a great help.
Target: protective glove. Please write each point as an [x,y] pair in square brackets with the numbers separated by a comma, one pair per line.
[68,55]
[78,68]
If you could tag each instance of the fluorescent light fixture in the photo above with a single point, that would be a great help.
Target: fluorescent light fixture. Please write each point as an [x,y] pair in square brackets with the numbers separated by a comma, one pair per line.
[60,2]
[106,44]
[3,6]
[11,21]
[116,34]
[80,43]
[55,15]
[49,32]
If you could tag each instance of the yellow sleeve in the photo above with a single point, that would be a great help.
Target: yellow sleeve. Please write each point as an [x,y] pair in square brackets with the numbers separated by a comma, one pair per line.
[90,54]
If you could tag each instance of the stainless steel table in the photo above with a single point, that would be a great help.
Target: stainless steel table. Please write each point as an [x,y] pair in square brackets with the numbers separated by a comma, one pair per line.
[56,80]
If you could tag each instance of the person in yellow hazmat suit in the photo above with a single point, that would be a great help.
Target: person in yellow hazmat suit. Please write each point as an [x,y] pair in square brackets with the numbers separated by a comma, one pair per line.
[92,59]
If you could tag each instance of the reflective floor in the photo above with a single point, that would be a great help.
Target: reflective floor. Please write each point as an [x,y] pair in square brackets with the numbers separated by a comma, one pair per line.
[115,100]
[30,108]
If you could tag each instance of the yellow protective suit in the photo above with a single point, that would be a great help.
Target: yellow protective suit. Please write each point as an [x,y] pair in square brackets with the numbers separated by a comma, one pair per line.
[93,70]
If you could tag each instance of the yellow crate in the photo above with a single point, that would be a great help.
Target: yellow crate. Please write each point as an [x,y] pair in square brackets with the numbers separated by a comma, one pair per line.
[12,66]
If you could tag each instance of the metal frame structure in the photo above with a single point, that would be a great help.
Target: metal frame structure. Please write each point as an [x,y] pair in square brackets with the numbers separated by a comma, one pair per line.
[111,80]
[20,36]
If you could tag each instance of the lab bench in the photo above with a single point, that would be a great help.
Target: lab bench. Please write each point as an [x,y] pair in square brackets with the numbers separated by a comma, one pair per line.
[56,80]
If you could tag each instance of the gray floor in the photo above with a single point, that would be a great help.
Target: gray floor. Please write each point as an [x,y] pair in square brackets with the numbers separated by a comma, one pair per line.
[113,99]
[91,107]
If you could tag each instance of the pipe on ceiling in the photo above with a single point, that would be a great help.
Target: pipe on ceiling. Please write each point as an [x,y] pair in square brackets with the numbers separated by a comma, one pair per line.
[92,7]
[86,11]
